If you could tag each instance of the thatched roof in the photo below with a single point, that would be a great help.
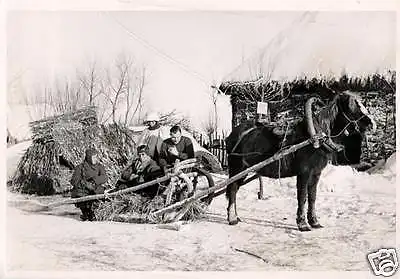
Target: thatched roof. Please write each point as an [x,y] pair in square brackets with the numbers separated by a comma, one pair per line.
[291,95]
[287,99]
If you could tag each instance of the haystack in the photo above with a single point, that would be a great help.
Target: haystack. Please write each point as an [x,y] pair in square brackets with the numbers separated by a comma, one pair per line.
[58,146]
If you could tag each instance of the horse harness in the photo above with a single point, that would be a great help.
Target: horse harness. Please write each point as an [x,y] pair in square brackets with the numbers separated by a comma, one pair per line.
[243,155]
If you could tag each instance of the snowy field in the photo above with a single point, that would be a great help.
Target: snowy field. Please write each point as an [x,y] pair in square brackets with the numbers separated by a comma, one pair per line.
[358,212]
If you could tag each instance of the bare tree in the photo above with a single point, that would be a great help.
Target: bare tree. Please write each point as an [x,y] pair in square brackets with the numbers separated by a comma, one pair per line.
[107,89]
[116,87]
[67,96]
[90,81]
[134,94]
[126,85]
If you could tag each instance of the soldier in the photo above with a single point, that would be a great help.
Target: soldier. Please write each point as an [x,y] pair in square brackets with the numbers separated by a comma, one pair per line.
[143,169]
[176,148]
[88,179]
[153,135]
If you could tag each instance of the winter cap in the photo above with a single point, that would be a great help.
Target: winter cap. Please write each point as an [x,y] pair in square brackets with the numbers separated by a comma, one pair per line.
[143,148]
[152,116]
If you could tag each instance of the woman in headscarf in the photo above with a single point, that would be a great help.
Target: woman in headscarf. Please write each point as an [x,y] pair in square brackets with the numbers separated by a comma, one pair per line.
[88,179]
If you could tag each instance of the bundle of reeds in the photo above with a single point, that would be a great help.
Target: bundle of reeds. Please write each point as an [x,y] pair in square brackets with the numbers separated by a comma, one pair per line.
[110,209]
[43,130]
[55,153]
[40,160]
[117,148]
[172,118]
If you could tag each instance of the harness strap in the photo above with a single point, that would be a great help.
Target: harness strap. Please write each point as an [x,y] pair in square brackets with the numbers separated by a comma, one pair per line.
[245,133]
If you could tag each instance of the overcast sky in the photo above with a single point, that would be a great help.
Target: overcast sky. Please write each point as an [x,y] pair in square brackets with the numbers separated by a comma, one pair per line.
[210,45]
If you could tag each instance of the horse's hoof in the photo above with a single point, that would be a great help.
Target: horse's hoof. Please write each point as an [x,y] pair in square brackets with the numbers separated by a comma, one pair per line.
[304,228]
[234,222]
[316,226]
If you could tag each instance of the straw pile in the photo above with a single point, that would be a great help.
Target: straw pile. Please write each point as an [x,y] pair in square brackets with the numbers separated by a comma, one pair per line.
[43,130]
[135,208]
[59,145]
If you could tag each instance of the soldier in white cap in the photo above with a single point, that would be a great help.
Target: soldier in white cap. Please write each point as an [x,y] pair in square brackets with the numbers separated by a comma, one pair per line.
[153,135]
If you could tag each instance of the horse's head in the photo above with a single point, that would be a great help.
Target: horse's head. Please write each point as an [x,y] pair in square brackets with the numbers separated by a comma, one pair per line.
[345,115]
[353,116]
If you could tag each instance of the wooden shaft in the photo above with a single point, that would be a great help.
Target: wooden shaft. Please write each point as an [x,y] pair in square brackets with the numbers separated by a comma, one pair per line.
[181,165]
[247,180]
[240,175]
[124,191]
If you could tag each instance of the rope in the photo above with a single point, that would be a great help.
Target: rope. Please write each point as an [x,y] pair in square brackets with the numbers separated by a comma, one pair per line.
[279,161]
[348,124]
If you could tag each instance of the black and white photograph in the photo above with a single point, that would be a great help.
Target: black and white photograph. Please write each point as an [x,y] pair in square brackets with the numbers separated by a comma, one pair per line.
[201,140]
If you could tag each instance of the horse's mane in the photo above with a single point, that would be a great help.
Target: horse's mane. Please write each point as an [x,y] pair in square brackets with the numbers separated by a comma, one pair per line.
[325,117]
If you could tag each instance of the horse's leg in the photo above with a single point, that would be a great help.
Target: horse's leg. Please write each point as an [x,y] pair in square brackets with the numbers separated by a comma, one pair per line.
[312,196]
[302,180]
[231,192]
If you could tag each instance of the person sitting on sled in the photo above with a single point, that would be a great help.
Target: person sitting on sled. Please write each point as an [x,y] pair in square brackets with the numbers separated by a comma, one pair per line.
[88,179]
[175,149]
[143,169]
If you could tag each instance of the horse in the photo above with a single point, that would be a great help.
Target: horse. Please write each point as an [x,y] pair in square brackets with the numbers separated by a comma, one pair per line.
[248,144]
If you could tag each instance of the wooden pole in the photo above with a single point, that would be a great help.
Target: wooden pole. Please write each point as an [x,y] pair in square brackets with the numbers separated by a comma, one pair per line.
[36,206]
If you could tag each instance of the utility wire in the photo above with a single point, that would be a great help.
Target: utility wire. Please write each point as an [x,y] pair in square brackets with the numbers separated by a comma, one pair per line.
[309,16]
[159,52]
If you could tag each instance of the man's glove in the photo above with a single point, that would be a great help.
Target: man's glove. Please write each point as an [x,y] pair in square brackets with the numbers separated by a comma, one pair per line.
[90,185]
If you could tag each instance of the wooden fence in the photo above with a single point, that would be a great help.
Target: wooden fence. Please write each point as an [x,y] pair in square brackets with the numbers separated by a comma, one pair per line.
[217,146]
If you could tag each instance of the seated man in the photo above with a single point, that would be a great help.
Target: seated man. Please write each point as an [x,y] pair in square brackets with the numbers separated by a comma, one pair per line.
[175,149]
[88,179]
[143,169]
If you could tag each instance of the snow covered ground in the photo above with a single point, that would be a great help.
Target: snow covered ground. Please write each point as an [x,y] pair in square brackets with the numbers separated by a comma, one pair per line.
[358,211]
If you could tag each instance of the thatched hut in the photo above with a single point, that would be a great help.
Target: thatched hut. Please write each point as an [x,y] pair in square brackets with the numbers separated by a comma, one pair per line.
[58,146]
[286,102]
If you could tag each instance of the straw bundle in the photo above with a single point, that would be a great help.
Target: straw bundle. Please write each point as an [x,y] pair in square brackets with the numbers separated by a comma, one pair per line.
[43,130]
[138,209]
[59,146]
[117,147]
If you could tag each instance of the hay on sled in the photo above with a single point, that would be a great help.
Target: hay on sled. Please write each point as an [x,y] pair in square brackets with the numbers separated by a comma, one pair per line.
[58,146]
[135,208]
